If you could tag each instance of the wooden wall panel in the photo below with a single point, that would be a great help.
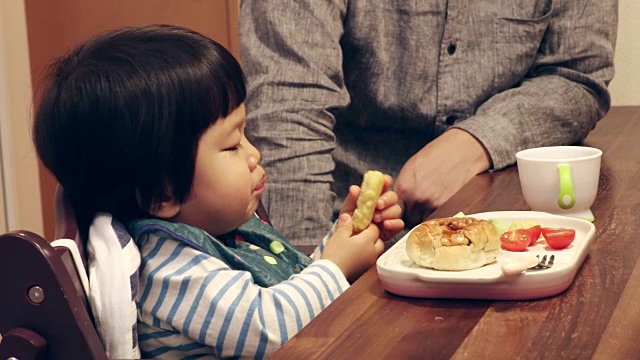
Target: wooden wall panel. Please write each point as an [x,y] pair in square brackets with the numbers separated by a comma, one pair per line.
[55,26]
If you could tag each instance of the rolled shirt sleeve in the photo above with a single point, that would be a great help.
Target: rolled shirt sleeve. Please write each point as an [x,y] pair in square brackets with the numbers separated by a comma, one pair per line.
[564,93]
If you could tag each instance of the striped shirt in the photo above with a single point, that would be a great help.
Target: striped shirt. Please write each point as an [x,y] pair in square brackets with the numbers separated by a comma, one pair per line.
[192,304]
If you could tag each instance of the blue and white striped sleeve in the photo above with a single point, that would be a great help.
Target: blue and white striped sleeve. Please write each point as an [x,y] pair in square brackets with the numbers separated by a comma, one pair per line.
[318,251]
[200,296]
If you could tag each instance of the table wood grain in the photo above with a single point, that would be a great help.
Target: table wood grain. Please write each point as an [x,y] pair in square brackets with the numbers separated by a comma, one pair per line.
[598,316]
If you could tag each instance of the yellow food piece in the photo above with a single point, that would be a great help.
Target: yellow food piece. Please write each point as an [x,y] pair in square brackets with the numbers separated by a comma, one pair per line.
[521,224]
[370,191]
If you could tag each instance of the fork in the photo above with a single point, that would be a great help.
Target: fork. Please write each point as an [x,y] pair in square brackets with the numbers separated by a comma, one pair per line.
[544,263]
[526,263]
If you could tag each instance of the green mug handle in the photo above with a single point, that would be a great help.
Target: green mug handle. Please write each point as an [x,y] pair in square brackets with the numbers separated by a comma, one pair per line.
[566,187]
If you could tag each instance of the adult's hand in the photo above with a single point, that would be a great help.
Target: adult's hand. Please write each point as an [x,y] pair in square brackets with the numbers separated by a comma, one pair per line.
[437,171]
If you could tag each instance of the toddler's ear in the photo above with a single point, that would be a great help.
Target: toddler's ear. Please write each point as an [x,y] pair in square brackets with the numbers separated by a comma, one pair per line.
[166,209]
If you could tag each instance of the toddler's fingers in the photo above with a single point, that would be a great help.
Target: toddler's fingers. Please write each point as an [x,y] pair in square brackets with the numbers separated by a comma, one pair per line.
[390,228]
[344,226]
[393,225]
[393,212]
[379,247]
[388,180]
[386,199]
[351,202]
[354,192]
[371,233]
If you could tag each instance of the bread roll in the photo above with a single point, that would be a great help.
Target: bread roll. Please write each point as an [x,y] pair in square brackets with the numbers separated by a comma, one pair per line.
[453,243]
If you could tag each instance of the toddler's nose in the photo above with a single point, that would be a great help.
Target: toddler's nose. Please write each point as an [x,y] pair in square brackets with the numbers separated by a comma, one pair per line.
[253,155]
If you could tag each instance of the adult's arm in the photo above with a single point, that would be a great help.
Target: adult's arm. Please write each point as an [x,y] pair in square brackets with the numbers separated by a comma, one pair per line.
[565,92]
[291,54]
[558,103]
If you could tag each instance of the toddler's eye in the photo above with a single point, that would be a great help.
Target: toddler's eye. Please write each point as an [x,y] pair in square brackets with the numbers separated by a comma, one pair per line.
[235,148]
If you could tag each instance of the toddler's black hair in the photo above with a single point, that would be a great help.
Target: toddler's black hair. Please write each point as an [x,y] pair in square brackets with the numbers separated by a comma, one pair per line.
[119,122]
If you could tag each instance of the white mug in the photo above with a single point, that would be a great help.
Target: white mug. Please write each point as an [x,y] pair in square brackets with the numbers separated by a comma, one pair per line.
[560,180]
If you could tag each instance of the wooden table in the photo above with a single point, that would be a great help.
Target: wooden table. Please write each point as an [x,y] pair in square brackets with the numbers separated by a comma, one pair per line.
[598,316]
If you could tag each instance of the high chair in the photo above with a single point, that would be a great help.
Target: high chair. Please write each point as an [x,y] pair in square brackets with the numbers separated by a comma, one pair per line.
[44,313]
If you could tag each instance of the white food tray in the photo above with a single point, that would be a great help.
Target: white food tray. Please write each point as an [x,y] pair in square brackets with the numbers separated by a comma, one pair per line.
[399,275]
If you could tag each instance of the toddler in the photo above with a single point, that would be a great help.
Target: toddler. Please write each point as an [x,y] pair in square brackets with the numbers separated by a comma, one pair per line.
[147,124]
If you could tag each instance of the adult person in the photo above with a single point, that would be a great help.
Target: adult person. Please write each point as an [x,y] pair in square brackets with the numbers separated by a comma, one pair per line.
[431,92]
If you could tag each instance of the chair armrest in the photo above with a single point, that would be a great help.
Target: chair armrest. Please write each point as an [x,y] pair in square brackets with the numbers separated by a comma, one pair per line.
[23,344]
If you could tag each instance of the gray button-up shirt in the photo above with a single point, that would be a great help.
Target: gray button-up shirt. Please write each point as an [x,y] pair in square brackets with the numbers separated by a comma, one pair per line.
[340,87]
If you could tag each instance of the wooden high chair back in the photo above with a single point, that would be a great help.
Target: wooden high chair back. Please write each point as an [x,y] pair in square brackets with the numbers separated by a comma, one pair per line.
[44,313]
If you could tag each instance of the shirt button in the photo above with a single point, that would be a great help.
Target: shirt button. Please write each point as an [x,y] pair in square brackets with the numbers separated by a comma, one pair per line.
[451,119]
[451,49]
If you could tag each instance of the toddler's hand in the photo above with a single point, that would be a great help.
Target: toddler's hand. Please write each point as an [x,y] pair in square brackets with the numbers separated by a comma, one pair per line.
[353,254]
[388,214]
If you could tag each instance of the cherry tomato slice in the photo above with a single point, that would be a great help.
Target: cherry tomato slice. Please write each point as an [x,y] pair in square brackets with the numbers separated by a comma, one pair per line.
[533,233]
[514,240]
[558,238]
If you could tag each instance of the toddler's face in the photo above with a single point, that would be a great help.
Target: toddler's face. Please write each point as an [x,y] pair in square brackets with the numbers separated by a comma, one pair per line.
[227,182]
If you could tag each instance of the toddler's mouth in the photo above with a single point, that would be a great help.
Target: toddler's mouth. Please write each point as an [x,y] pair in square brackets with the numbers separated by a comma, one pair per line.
[260,185]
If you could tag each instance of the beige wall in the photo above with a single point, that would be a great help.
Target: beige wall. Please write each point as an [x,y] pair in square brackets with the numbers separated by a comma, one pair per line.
[625,87]
[20,182]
